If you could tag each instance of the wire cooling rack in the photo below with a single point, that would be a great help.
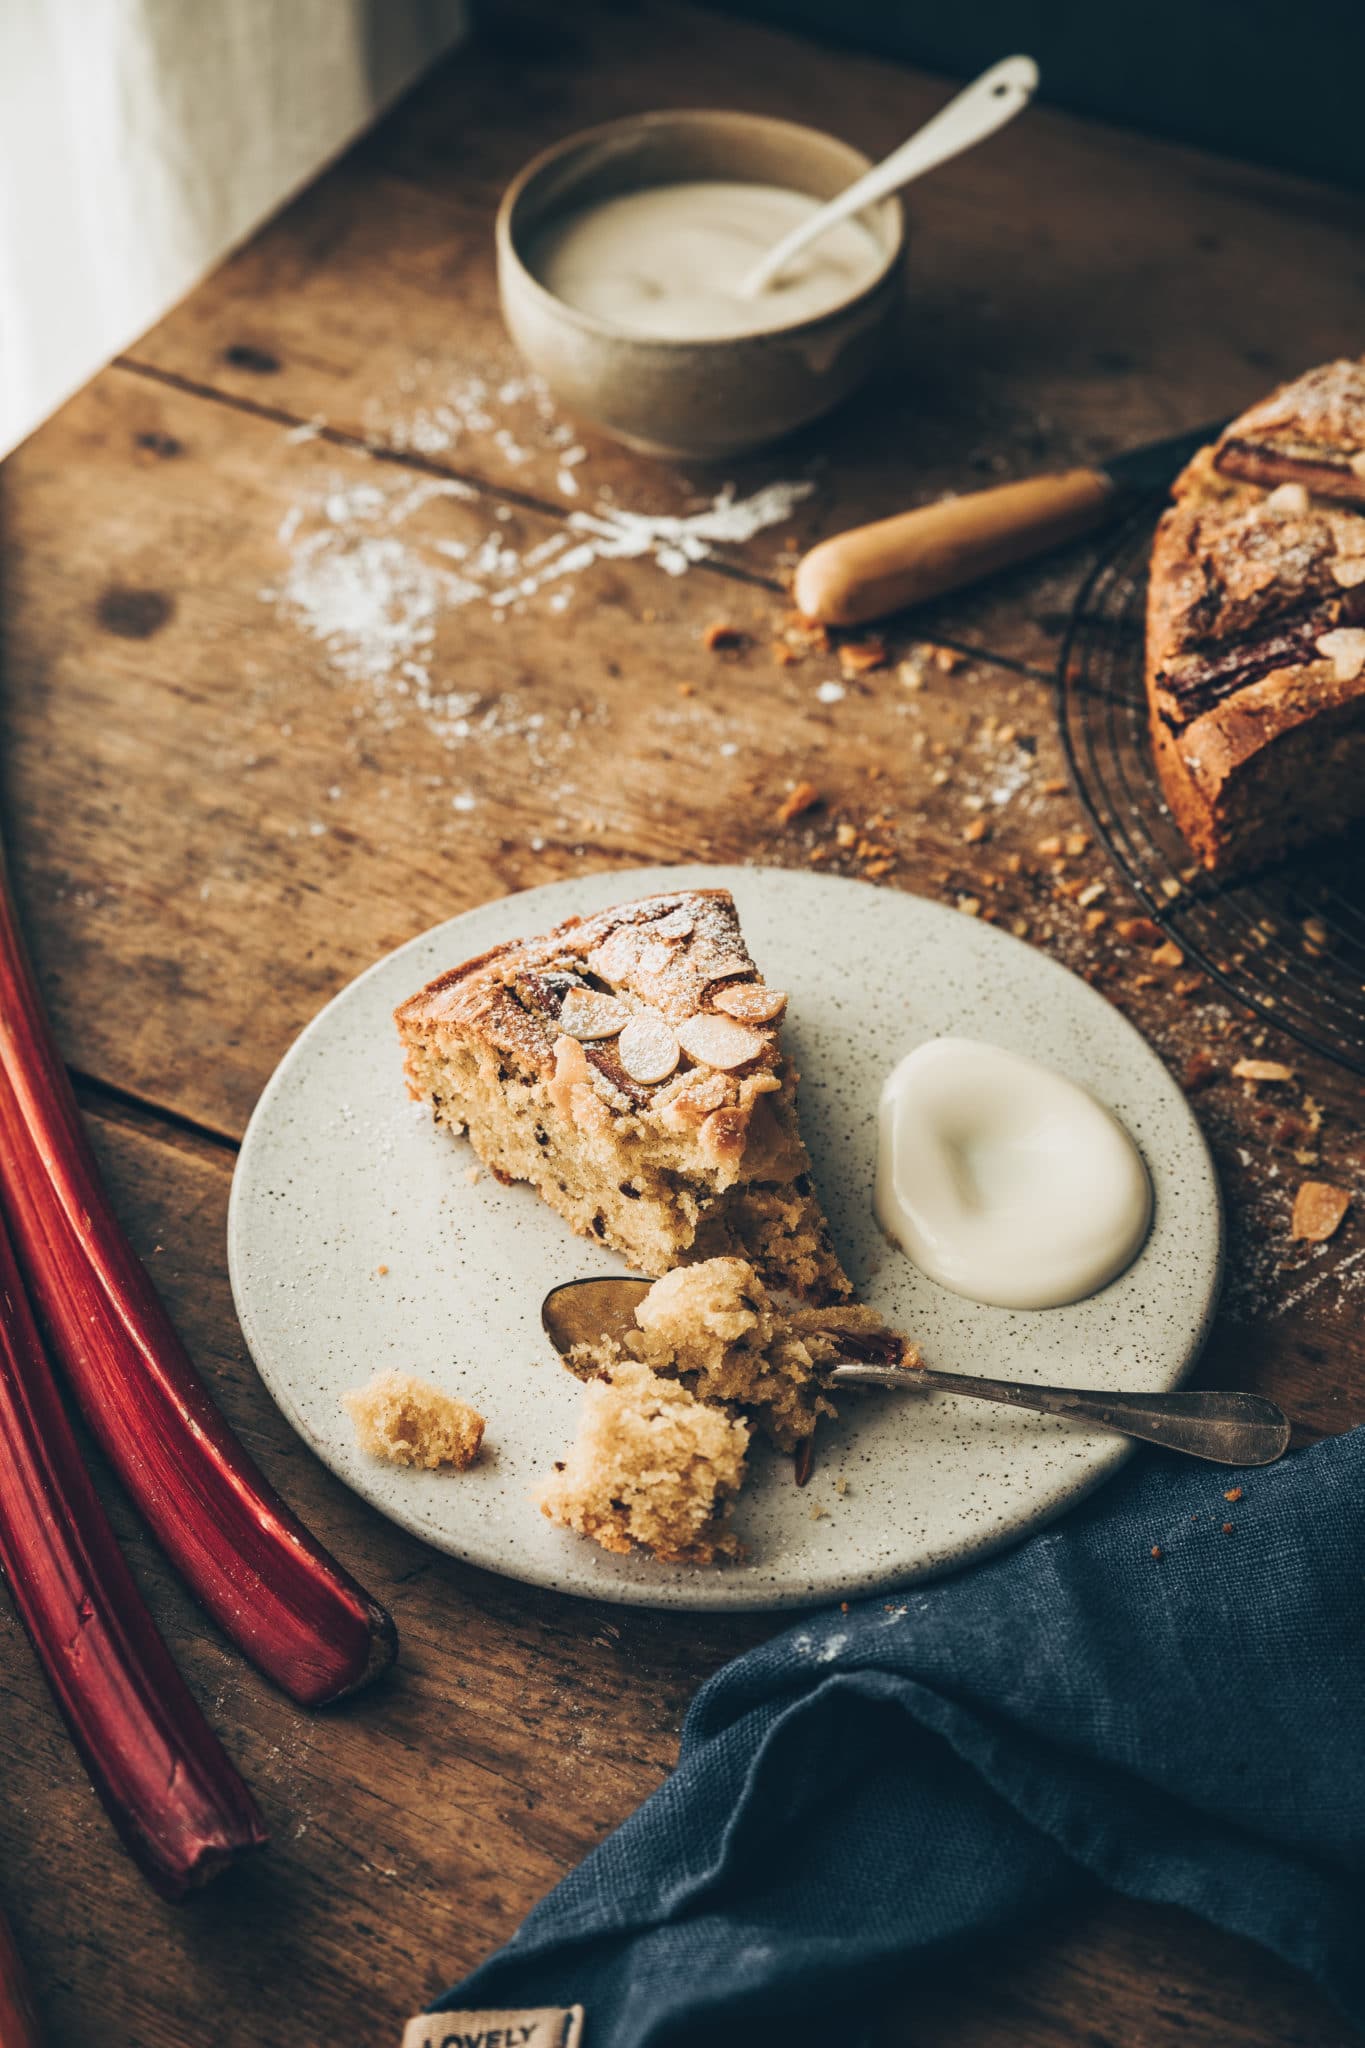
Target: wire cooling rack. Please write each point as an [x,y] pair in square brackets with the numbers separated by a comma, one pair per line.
[1290,942]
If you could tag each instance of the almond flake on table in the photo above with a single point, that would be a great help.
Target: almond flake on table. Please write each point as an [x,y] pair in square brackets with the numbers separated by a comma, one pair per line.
[1262,1070]
[1319,1209]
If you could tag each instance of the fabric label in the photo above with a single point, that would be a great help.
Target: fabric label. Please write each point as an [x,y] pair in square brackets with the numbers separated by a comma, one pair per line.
[549,2026]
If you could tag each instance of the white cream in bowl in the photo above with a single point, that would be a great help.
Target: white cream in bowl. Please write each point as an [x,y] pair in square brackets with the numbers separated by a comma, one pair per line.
[1005,1181]
[668,260]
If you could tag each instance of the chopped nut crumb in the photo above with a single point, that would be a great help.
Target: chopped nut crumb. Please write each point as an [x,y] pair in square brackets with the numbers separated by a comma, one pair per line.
[1077,843]
[1319,1209]
[1170,888]
[911,675]
[977,830]
[804,797]
[946,658]
[1157,1550]
[970,906]
[1138,931]
[1227,1528]
[845,835]
[1050,846]
[687,689]
[1168,955]
[1233,1493]
[1091,893]
[473,1175]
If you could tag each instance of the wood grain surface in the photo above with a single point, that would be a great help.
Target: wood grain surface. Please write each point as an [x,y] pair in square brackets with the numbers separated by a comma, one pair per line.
[227,787]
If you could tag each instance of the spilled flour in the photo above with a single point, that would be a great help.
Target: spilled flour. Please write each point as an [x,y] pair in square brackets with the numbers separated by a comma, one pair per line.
[371,587]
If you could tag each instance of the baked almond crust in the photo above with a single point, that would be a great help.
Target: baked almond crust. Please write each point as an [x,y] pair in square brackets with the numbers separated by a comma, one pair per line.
[705,1159]
[1255,661]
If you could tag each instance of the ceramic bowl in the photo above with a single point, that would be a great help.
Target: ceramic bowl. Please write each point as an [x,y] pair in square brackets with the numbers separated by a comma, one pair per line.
[708,399]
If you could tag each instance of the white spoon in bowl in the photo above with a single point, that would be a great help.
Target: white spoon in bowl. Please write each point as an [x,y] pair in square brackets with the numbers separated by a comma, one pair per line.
[979,109]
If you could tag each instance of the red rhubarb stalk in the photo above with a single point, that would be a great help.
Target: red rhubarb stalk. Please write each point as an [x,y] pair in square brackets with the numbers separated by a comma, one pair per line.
[267,1582]
[165,1780]
[18,2019]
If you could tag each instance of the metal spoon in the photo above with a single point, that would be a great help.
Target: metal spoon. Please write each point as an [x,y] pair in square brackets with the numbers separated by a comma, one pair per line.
[1227,1428]
[977,111]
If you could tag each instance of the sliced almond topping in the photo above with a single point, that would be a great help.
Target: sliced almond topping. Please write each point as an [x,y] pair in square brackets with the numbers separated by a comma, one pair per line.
[1262,1070]
[751,1003]
[679,924]
[648,1047]
[1318,1211]
[1345,647]
[1349,570]
[716,1041]
[1290,498]
[587,1014]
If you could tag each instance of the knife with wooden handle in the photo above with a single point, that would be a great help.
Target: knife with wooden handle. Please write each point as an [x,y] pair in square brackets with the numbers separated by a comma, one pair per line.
[873,570]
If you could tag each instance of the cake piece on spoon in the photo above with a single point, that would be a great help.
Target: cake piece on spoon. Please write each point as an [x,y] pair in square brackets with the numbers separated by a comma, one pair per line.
[629,1065]
[716,1328]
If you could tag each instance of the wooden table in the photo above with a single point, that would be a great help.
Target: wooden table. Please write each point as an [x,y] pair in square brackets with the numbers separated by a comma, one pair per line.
[217,814]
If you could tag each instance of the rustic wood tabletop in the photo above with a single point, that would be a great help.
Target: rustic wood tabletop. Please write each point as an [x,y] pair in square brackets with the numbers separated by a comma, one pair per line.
[318,626]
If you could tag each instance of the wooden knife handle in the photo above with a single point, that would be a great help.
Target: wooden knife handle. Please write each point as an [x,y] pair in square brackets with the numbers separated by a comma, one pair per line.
[873,570]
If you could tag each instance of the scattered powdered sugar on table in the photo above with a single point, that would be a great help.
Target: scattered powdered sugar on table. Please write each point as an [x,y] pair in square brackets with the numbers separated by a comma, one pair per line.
[371,586]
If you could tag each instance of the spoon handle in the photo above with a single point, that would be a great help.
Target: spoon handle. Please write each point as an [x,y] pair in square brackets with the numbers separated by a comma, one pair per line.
[977,111]
[1228,1428]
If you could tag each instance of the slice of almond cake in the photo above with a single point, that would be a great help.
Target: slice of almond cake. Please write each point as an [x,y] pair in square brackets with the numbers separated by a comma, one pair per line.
[629,1065]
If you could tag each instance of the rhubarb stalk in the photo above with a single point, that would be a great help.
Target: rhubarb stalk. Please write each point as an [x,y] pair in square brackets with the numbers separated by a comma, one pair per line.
[18,2020]
[264,1578]
[166,1781]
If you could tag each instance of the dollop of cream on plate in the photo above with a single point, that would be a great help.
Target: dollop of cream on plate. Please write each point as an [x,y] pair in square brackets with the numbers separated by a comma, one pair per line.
[1005,1181]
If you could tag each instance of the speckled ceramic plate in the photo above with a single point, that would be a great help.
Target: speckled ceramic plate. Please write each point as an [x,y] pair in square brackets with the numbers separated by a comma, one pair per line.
[340,1176]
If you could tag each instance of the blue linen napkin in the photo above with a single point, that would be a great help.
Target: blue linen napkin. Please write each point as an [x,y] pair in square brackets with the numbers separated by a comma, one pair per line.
[1133,1695]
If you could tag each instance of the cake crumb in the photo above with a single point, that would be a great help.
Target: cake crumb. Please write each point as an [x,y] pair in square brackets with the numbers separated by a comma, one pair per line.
[381,1271]
[798,800]
[473,1175]
[409,1421]
[653,1468]
[1319,1210]
[1233,1493]
[860,657]
[722,634]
